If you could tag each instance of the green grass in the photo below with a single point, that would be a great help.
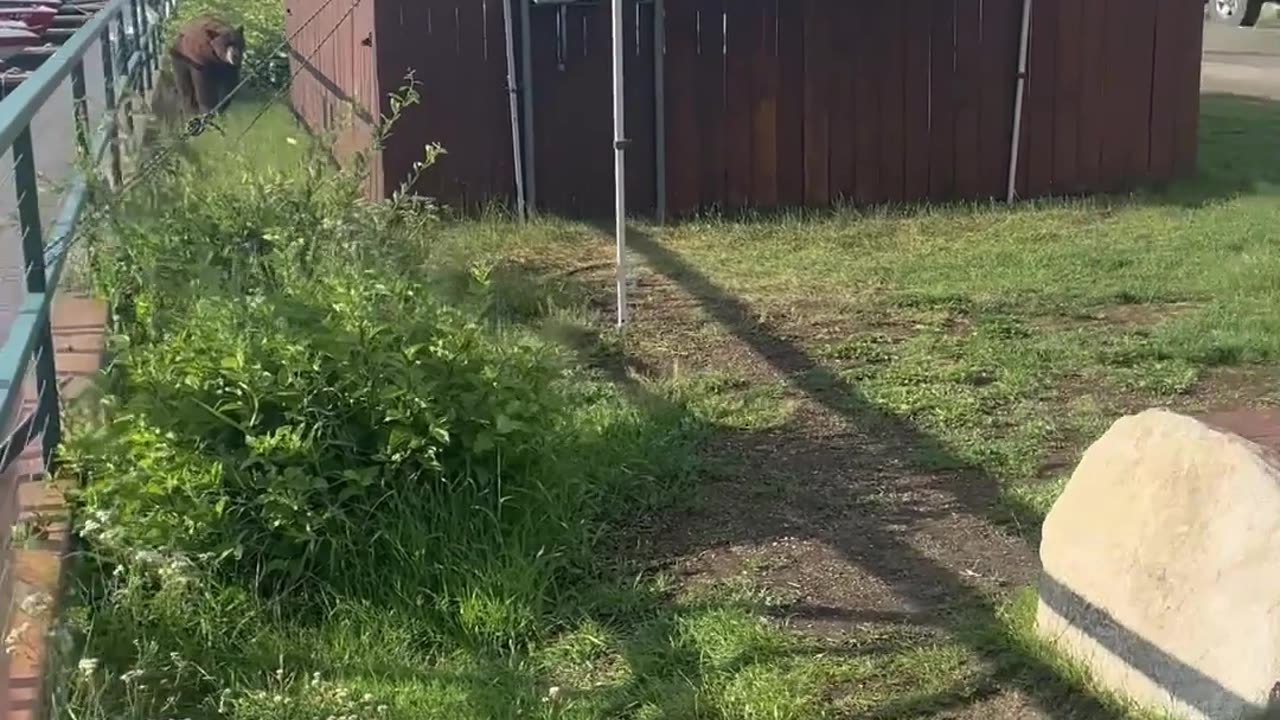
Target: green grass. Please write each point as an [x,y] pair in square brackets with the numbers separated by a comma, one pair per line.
[1003,339]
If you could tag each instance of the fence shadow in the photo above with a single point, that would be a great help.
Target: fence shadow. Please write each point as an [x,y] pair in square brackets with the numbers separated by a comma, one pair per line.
[1237,153]
[875,541]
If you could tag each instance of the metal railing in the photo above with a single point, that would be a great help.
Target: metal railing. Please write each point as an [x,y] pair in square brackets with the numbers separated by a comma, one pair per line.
[128,34]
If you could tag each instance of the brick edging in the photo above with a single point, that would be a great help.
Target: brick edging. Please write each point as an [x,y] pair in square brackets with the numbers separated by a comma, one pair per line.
[32,583]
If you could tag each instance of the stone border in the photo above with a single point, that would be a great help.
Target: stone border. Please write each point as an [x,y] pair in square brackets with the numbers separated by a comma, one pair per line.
[32,582]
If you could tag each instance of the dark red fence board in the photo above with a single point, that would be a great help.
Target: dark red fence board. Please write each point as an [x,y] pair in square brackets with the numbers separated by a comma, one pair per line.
[709,75]
[968,98]
[817,80]
[866,108]
[790,141]
[916,103]
[889,21]
[842,112]
[1066,128]
[764,112]
[683,170]
[943,92]
[742,41]
[1093,108]
[769,102]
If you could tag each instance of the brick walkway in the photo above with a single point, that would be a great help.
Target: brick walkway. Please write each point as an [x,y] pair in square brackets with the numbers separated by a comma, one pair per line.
[33,568]
[1261,425]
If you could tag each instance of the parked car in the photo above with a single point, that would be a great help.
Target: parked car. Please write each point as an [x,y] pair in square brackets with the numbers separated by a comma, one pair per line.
[1243,13]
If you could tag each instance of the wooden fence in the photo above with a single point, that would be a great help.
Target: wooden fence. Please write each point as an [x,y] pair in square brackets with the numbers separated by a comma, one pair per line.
[335,89]
[774,103]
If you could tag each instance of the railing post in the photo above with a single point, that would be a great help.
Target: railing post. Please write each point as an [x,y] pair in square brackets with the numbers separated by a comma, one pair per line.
[126,79]
[80,107]
[109,94]
[144,42]
[24,173]
[135,23]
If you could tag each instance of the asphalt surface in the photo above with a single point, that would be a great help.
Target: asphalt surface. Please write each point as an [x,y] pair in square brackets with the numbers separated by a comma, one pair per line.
[1243,61]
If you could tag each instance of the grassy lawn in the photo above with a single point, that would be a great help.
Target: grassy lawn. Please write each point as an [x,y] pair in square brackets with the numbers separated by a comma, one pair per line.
[806,481]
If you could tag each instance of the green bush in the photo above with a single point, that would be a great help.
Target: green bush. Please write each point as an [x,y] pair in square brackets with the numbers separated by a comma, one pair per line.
[297,407]
[291,422]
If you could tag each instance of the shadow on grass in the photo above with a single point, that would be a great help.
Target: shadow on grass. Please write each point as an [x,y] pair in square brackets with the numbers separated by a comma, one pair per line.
[1239,144]
[876,542]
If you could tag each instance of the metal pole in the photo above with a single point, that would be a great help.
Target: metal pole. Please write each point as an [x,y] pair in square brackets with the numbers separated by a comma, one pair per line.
[619,162]
[513,97]
[1012,193]
[526,86]
[109,91]
[660,103]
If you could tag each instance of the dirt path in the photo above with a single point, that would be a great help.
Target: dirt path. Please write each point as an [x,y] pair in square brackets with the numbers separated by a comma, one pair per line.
[843,511]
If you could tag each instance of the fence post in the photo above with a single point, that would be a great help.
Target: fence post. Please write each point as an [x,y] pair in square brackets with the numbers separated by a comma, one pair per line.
[24,172]
[138,21]
[126,79]
[80,108]
[109,94]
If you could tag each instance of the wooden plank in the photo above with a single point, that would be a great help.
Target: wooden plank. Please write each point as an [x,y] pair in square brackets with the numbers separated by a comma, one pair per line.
[595,186]
[1067,98]
[843,18]
[1143,56]
[868,187]
[1092,115]
[790,144]
[970,82]
[764,121]
[942,137]
[893,41]
[550,112]
[742,40]
[1116,100]
[917,103]
[1040,111]
[817,73]
[640,108]
[1164,91]
[1187,123]
[681,71]
[424,122]
[711,109]
[499,185]
[1000,33]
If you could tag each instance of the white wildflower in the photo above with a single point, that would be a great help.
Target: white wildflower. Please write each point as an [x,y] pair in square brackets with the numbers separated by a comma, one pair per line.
[131,675]
[87,665]
[36,603]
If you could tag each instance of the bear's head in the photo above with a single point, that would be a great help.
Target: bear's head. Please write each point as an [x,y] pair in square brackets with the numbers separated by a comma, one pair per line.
[228,43]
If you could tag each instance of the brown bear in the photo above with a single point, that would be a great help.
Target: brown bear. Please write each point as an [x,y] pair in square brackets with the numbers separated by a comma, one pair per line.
[206,59]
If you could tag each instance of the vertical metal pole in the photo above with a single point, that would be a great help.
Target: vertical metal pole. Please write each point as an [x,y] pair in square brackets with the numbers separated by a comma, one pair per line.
[526,86]
[660,104]
[1016,141]
[619,161]
[80,108]
[136,22]
[513,99]
[127,92]
[24,173]
[109,94]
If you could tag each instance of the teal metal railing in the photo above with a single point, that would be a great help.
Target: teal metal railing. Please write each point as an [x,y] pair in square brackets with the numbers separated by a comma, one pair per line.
[128,34]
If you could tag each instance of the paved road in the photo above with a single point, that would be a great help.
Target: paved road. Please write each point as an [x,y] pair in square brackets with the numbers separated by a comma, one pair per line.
[53,141]
[1245,61]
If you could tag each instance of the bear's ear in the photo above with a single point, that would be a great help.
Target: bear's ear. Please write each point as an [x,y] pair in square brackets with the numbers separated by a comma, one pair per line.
[240,31]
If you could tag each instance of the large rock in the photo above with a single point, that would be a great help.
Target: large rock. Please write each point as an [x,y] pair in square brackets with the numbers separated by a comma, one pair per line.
[1162,567]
